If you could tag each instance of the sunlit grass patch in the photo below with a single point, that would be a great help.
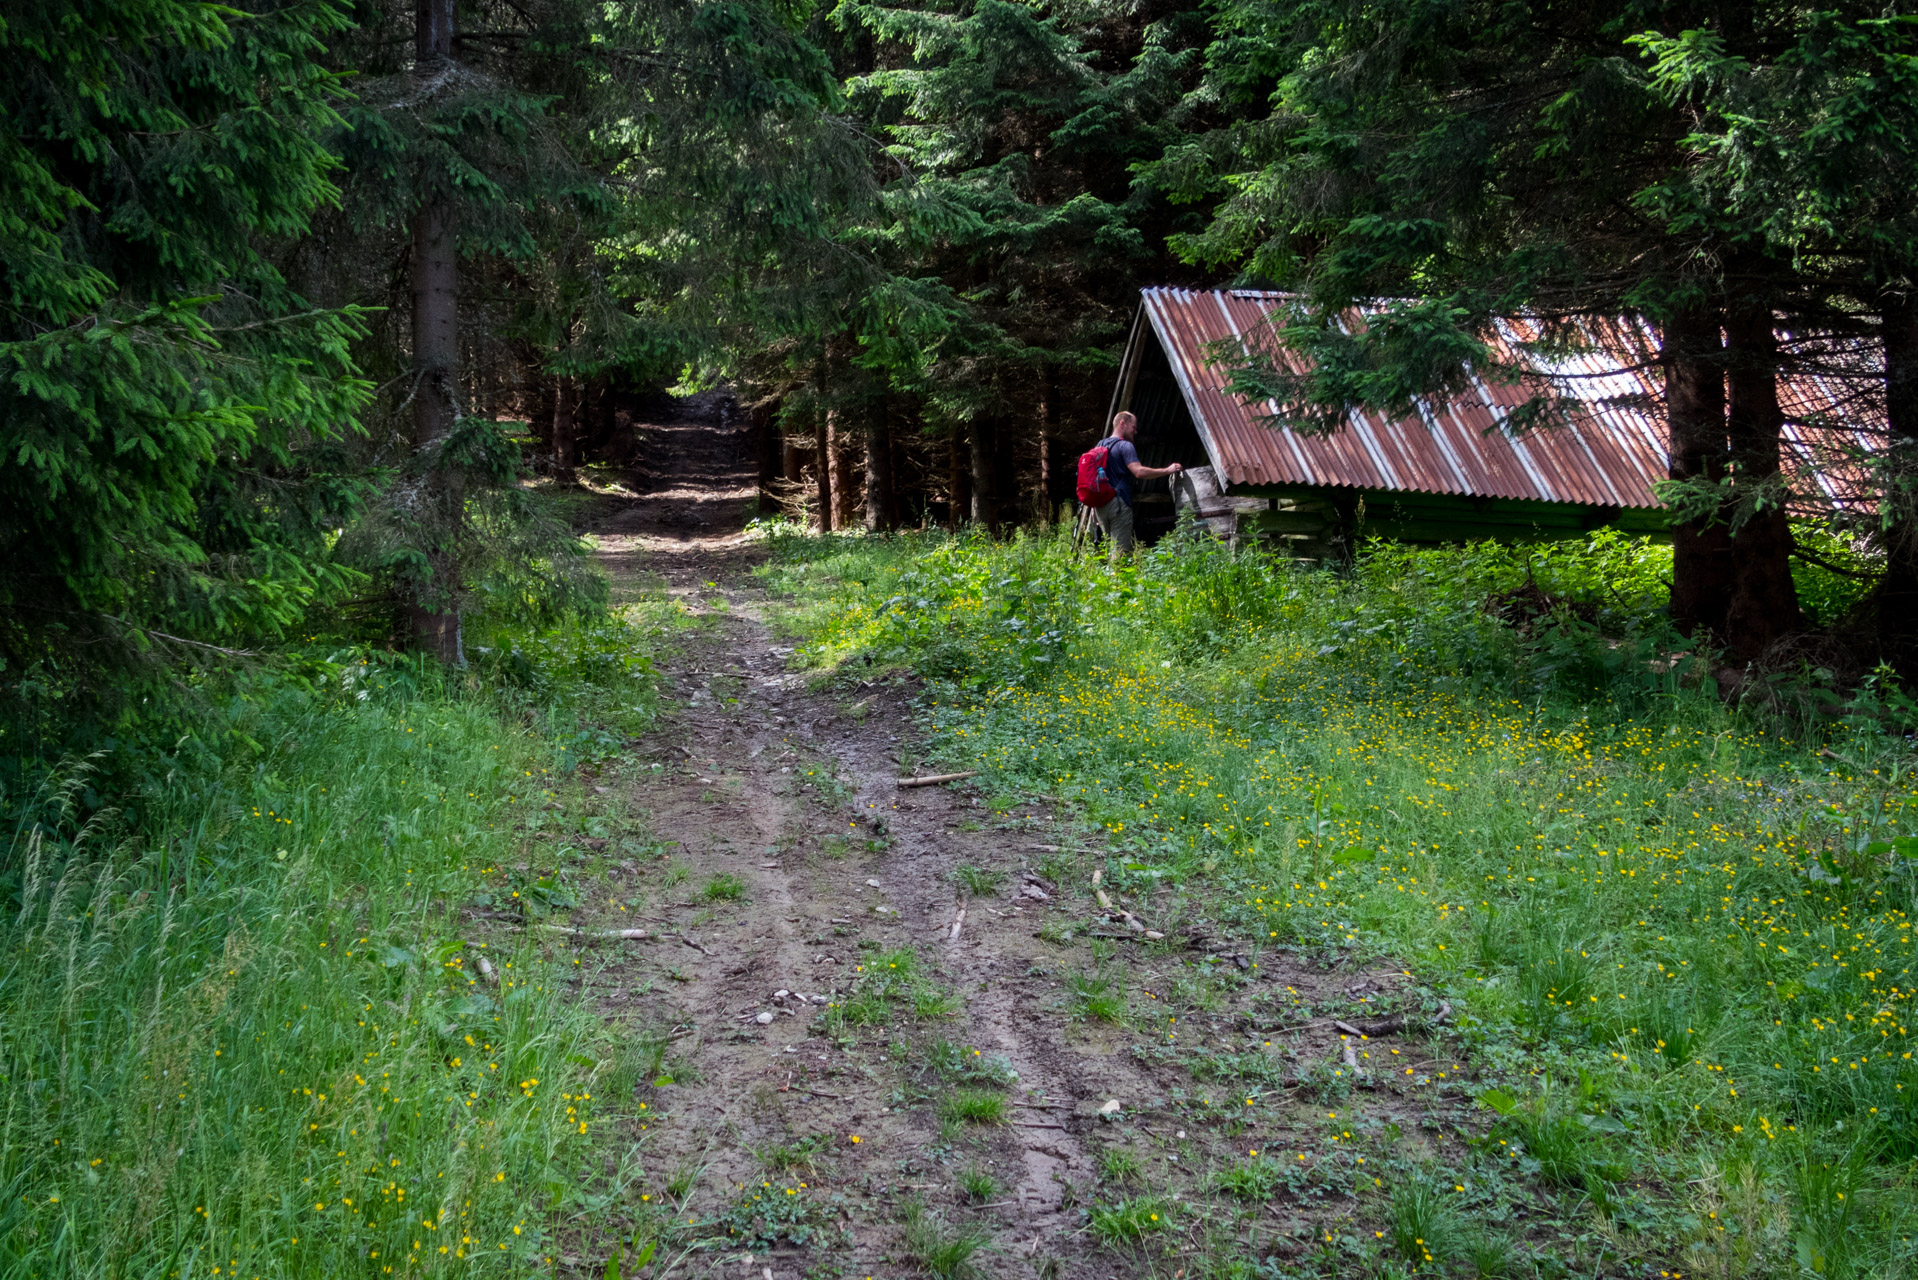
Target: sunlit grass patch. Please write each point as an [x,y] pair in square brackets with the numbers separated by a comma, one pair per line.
[1096,997]
[1699,928]
[281,991]
[977,1185]
[973,1106]
[724,887]
[946,1251]
[978,881]
[1129,1221]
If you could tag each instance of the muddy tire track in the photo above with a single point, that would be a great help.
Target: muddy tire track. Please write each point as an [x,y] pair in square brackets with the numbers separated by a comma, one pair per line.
[783,856]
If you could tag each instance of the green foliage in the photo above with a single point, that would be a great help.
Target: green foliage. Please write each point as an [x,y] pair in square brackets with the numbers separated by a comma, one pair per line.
[977,1185]
[171,464]
[724,887]
[1421,1223]
[1129,1221]
[973,1106]
[946,1251]
[1255,1178]
[1120,1164]
[979,881]
[761,1216]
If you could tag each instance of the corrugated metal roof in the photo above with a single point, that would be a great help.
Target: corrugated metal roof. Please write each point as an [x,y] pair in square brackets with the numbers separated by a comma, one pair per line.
[1608,453]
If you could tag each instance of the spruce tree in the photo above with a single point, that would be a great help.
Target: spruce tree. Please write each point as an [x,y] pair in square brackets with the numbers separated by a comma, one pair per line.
[171,406]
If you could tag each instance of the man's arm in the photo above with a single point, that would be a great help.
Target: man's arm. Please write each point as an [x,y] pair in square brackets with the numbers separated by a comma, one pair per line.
[1140,471]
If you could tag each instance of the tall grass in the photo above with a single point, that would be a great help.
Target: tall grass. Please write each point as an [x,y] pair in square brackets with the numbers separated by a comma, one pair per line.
[1706,911]
[249,1035]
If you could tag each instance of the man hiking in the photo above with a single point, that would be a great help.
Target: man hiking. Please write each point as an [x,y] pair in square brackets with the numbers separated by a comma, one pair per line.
[1113,464]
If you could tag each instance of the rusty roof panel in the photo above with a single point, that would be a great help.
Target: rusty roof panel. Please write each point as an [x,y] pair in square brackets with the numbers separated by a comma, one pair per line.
[1608,454]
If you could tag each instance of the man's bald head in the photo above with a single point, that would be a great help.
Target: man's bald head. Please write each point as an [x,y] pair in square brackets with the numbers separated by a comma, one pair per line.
[1124,425]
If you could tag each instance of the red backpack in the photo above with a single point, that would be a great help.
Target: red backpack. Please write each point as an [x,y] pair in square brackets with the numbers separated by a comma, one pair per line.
[1095,489]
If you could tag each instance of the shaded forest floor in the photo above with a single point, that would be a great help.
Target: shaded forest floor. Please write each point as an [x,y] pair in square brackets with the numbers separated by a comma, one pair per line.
[894,1030]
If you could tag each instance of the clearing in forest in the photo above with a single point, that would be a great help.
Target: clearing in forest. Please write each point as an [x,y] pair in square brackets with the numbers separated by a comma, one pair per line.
[1321,954]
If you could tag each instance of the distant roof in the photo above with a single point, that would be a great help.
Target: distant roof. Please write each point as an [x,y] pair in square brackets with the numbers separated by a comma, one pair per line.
[1608,453]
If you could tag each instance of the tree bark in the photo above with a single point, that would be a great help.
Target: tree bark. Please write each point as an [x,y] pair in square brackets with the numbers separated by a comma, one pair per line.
[434,613]
[881,515]
[985,508]
[1764,601]
[1898,588]
[598,407]
[845,500]
[565,430]
[1047,407]
[1702,572]
[545,404]
[958,482]
[822,468]
[763,420]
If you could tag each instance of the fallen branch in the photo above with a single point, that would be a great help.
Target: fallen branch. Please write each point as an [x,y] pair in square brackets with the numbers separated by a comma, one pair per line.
[1036,1124]
[934,779]
[628,935]
[1132,922]
[689,941]
[957,922]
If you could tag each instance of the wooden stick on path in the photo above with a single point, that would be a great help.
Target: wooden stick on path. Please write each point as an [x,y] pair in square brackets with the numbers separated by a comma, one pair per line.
[934,779]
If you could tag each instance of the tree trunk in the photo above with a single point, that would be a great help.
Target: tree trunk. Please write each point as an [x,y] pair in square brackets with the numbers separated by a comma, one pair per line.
[545,405]
[881,515]
[1898,588]
[958,482]
[565,431]
[764,422]
[1764,602]
[598,407]
[845,499]
[985,510]
[434,613]
[793,465]
[822,468]
[1702,572]
[1047,411]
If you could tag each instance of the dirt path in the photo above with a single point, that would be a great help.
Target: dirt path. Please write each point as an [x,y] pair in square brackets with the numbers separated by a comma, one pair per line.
[790,874]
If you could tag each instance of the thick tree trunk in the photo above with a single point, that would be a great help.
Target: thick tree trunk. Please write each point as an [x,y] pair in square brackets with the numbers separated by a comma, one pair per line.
[1764,602]
[434,615]
[845,498]
[565,430]
[763,420]
[958,482]
[1702,572]
[822,466]
[792,463]
[881,515]
[1898,589]
[985,507]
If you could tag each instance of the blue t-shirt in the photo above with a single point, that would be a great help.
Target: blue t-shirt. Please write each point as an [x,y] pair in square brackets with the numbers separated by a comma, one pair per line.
[1120,455]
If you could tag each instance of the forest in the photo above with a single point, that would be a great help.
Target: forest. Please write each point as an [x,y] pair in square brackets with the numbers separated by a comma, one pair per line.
[561,713]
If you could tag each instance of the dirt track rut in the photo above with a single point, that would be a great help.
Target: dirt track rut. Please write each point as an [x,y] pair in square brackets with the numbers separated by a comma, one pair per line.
[792,792]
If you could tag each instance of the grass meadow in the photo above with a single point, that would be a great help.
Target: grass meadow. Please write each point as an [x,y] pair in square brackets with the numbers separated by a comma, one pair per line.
[1677,934]
[254,1021]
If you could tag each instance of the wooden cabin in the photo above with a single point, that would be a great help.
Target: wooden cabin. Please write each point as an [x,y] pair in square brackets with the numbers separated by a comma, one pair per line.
[1449,473]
